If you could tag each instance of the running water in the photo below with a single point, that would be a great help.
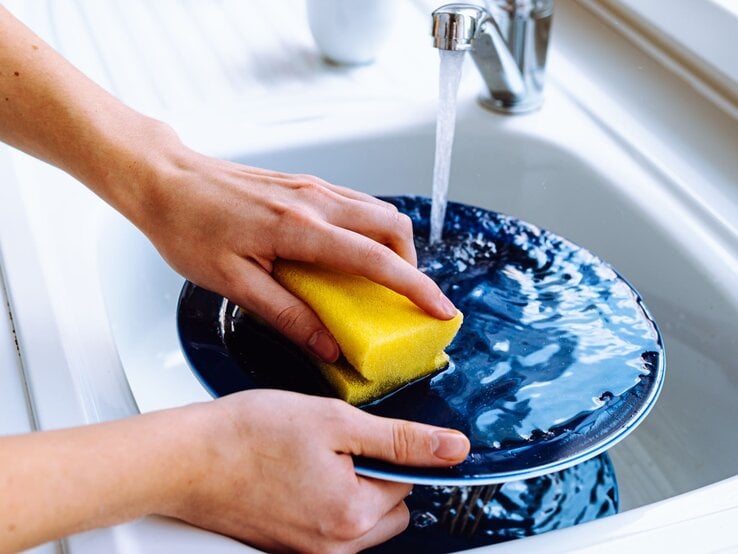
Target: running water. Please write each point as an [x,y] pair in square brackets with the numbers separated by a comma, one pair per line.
[449,77]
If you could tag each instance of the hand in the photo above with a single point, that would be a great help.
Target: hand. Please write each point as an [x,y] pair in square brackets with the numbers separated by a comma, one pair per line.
[219,224]
[222,225]
[278,472]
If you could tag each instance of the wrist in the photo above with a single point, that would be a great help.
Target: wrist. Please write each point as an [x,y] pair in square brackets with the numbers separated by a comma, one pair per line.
[130,169]
[190,430]
[182,462]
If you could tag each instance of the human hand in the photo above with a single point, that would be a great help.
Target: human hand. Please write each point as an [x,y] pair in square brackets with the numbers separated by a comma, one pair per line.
[276,471]
[219,224]
[222,225]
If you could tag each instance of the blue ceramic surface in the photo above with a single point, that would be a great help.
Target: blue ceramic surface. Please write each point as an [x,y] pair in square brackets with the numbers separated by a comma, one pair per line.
[558,359]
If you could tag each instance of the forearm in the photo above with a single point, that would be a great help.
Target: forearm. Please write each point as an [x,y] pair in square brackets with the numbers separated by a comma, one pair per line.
[50,110]
[60,482]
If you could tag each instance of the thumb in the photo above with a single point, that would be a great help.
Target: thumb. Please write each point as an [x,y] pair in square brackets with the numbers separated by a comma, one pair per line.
[407,443]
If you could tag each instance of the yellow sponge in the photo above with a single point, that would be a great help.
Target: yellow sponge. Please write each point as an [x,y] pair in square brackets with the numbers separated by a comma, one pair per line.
[355,389]
[384,337]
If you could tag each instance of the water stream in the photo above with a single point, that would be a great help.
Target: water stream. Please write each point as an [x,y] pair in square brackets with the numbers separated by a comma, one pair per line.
[448,87]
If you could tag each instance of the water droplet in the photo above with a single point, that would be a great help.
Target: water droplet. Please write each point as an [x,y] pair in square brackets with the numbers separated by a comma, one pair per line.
[421,520]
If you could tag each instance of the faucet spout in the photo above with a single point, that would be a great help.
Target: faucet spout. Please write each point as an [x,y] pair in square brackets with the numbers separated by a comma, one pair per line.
[508,48]
[456,25]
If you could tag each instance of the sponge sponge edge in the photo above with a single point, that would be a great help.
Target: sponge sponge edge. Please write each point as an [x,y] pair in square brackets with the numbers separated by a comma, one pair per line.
[354,389]
[382,334]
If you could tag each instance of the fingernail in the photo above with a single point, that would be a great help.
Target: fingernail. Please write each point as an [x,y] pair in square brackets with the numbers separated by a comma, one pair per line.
[448,306]
[323,346]
[449,445]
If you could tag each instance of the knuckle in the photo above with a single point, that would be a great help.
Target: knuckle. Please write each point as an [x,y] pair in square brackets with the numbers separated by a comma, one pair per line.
[310,185]
[279,208]
[351,524]
[402,438]
[337,408]
[403,518]
[232,282]
[296,224]
[376,254]
[389,206]
[288,318]
[403,224]
[341,416]
[306,178]
[296,215]
[429,285]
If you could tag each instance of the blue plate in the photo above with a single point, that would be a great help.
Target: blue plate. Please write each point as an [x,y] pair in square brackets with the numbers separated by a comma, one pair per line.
[558,358]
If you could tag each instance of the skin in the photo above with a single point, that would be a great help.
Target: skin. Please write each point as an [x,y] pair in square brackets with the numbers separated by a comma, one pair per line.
[229,465]
[271,468]
[180,198]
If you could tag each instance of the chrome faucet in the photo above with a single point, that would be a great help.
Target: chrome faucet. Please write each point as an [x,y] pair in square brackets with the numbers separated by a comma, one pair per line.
[508,43]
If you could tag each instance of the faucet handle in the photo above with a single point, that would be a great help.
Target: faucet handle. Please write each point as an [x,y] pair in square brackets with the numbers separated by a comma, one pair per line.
[508,45]
[456,25]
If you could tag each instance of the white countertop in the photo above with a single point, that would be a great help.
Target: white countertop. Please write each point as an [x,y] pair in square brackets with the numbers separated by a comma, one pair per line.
[15,411]
[170,58]
[15,414]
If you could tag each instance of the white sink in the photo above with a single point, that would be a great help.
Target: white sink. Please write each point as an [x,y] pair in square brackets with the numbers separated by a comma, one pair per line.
[94,304]
[113,325]
[115,308]
[581,185]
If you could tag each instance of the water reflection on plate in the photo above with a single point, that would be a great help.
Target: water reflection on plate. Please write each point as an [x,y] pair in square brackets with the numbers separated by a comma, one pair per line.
[558,359]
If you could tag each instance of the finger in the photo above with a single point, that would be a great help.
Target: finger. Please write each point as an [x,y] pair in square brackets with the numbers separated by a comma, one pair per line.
[381,495]
[359,255]
[257,291]
[393,523]
[354,194]
[381,222]
[366,215]
[404,442]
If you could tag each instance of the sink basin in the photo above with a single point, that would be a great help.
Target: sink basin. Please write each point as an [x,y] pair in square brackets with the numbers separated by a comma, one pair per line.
[576,180]
[625,158]
[582,186]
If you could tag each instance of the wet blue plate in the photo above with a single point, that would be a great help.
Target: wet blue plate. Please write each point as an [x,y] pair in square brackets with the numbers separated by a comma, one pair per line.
[558,358]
